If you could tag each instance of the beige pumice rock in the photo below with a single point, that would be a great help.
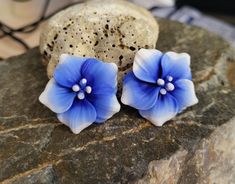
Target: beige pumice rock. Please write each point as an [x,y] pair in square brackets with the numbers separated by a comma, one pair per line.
[110,30]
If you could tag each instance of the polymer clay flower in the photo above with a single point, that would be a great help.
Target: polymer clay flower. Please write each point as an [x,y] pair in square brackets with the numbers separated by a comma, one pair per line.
[82,91]
[160,85]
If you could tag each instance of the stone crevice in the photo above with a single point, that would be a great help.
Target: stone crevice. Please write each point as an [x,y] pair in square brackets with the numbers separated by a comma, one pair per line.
[30,172]
[132,131]
[26,126]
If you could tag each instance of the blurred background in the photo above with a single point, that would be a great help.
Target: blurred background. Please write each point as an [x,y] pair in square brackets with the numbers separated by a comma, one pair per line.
[22,20]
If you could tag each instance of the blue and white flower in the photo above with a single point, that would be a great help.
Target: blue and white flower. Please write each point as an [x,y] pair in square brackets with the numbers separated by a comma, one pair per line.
[160,85]
[82,91]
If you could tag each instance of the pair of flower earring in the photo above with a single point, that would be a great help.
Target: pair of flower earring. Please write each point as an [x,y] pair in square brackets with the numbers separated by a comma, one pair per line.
[83,90]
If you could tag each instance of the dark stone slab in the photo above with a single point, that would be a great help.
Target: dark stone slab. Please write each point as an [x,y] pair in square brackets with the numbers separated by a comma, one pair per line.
[35,148]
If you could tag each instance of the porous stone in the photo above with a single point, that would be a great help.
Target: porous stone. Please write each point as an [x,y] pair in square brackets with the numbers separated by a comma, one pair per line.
[197,145]
[110,30]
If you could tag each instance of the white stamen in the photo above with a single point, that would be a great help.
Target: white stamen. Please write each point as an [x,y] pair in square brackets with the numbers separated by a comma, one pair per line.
[163,91]
[160,82]
[81,95]
[76,88]
[88,89]
[83,81]
[170,87]
[169,78]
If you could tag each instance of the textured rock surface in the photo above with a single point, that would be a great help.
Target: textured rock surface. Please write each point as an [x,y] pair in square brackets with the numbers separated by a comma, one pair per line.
[111,30]
[212,161]
[166,171]
[35,148]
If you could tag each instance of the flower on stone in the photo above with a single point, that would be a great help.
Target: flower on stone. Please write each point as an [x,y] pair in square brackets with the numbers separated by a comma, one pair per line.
[82,91]
[160,85]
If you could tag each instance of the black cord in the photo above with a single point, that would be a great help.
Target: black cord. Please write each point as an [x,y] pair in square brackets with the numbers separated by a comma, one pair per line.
[8,31]
[31,27]
[10,34]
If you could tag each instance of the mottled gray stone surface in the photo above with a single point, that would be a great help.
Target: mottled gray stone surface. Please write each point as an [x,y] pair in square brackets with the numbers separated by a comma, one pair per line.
[35,148]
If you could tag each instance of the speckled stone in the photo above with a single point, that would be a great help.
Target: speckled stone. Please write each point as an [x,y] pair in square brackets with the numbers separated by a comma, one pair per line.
[110,30]
[36,148]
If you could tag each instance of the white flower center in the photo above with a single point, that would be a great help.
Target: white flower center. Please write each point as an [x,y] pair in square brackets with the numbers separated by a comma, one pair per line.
[160,82]
[81,95]
[82,88]
[76,88]
[83,82]
[88,89]
[163,91]
[166,85]
[170,87]
[169,78]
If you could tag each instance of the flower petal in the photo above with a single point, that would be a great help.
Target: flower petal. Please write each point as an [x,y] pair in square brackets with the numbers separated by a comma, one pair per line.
[79,116]
[176,65]
[100,75]
[147,65]
[165,109]
[106,105]
[57,98]
[138,94]
[68,71]
[184,93]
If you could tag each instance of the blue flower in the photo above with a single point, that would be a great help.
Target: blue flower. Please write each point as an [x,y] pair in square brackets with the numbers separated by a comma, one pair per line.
[82,91]
[160,85]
